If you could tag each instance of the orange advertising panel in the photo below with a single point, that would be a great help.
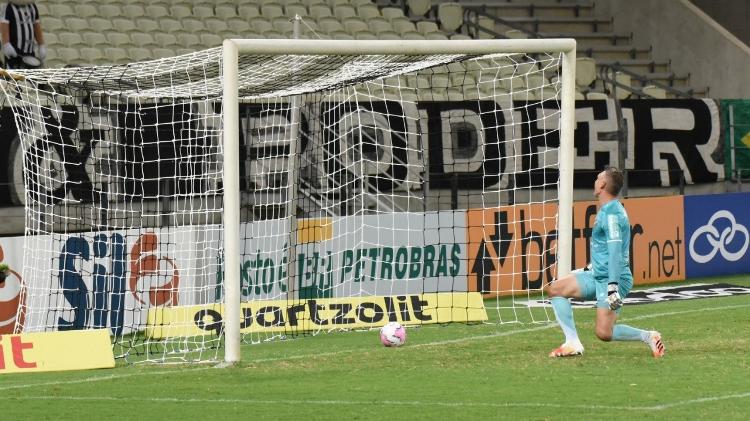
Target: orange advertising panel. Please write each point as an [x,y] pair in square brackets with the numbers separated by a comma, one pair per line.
[513,248]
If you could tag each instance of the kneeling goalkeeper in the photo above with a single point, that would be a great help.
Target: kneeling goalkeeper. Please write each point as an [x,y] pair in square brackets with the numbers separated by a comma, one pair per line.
[607,279]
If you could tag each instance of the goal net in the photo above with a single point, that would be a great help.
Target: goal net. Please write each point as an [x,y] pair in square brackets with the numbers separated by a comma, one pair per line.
[182,201]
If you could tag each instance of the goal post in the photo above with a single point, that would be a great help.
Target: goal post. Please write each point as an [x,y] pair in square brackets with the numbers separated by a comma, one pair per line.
[232,48]
[271,189]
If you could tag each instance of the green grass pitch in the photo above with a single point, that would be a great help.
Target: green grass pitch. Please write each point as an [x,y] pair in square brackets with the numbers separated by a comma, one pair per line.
[443,372]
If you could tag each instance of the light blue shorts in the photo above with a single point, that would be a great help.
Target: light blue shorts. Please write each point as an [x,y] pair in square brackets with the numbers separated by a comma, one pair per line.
[591,289]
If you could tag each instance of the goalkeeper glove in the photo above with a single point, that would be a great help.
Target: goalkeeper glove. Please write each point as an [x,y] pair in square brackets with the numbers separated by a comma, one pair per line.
[9,51]
[42,51]
[613,296]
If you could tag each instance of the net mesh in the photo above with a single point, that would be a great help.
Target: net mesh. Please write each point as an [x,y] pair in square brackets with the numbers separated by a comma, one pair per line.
[361,176]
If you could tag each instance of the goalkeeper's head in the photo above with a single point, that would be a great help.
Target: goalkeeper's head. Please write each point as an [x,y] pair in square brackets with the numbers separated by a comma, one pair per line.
[4,272]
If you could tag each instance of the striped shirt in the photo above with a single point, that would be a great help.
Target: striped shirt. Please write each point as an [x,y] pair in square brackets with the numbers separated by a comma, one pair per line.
[21,20]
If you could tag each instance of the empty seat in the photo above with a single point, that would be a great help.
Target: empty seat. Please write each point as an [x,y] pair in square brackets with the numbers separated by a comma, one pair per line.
[426,27]
[368,11]
[156,11]
[248,11]
[320,11]
[585,71]
[52,24]
[124,25]
[193,25]
[68,55]
[403,25]
[91,55]
[271,11]
[364,35]
[188,39]
[344,12]
[139,54]
[414,35]
[419,7]
[226,11]
[211,40]
[165,39]
[654,92]
[203,11]
[76,24]
[535,81]
[261,25]
[392,13]
[215,25]
[354,25]
[623,79]
[116,55]
[516,34]
[71,39]
[378,25]
[170,25]
[110,11]
[239,26]
[148,25]
[142,39]
[596,95]
[283,25]
[133,11]
[436,35]
[389,35]
[118,39]
[292,9]
[84,11]
[179,11]
[98,24]
[162,53]
[451,16]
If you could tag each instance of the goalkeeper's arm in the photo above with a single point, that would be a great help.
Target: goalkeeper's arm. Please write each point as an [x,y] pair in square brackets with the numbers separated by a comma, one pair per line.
[615,270]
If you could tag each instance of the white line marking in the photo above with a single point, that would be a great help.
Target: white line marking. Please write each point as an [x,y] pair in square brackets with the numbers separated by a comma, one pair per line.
[324,402]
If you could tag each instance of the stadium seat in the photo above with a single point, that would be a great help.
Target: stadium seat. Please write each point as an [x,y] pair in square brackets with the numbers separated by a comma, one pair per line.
[364,35]
[426,27]
[170,25]
[215,25]
[368,11]
[535,81]
[193,25]
[118,39]
[97,24]
[51,39]
[283,25]
[156,11]
[71,39]
[226,11]
[320,11]
[392,13]
[162,53]
[211,40]
[68,55]
[248,11]
[202,11]
[50,23]
[109,11]
[436,35]
[239,25]
[148,25]
[460,37]
[83,11]
[596,95]
[419,7]
[142,39]
[261,25]
[330,24]
[292,9]
[585,71]
[165,40]
[139,54]
[624,79]
[124,25]
[354,25]
[61,10]
[413,35]
[389,35]
[270,11]
[403,25]
[338,3]
[655,92]
[344,12]
[76,24]
[92,56]
[133,11]
[451,16]
[378,25]
[516,34]
[488,23]
[180,11]
[187,39]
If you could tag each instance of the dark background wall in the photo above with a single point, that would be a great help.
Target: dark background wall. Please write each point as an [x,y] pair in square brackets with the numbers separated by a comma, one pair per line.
[734,15]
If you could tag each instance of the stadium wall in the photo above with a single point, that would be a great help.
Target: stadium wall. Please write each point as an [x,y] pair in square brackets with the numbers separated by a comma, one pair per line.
[695,43]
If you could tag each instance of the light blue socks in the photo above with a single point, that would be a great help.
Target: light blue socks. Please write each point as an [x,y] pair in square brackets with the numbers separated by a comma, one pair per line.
[564,314]
[627,333]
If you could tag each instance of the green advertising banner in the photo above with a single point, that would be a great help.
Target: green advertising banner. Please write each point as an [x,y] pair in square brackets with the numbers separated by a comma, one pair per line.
[736,122]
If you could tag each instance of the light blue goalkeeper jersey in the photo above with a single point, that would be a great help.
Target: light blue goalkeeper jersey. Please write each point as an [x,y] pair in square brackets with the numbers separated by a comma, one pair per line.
[610,245]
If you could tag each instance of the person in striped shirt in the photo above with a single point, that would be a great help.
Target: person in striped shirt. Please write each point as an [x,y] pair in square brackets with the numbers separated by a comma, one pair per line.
[21,32]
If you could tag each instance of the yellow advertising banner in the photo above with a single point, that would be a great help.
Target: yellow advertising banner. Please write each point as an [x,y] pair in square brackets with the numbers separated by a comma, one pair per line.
[512,248]
[56,351]
[324,313]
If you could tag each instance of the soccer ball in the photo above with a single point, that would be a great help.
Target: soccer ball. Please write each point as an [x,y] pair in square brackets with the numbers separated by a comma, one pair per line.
[392,334]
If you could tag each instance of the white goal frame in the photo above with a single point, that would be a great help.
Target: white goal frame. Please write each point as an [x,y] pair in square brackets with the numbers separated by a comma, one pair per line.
[230,114]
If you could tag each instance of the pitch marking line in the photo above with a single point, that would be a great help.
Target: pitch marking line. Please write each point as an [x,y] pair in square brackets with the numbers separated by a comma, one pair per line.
[381,403]
[349,351]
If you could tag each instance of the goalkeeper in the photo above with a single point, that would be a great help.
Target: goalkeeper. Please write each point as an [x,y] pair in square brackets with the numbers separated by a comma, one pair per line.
[607,279]
[4,272]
